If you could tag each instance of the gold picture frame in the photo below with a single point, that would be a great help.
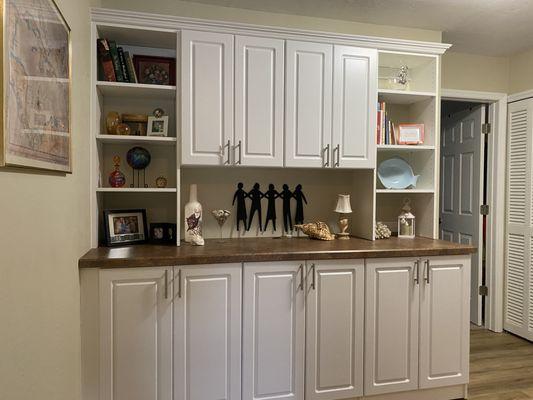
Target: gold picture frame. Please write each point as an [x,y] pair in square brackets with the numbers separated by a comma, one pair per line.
[36,123]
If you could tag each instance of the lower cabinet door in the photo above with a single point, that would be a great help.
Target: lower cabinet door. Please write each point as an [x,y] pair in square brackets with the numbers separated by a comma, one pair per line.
[136,334]
[207,332]
[273,331]
[334,329]
[391,325]
[444,321]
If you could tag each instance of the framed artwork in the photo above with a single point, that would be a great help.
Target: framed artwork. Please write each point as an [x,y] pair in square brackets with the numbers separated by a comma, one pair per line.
[164,233]
[155,70]
[36,125]
[410,133]
[125,227]
[158,126]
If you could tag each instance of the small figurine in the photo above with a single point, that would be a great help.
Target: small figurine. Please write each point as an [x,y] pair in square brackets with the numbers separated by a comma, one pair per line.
[116,177]
[161,182]
[286,196]
[271,195]
[316,230]
[300,199]
[240,196]
[255,195]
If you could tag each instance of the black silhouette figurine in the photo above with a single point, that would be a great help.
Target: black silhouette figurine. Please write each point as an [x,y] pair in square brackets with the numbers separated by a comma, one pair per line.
[300,199]
[255,195]
[286,196]
[240,195]
[271,195]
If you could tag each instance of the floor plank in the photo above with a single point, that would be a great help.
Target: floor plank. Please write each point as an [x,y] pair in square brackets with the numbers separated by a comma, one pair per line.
[501,366]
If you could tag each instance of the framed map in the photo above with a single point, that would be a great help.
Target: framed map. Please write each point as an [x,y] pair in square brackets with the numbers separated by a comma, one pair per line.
[36,126]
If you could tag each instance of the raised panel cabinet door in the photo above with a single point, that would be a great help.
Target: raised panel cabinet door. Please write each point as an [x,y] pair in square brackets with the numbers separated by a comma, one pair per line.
[334,329]
[207,97]
[308,104]
[444,321]
[273,331]
[136,334]
[354,107]
[391,325]
[207,332]
[259,71]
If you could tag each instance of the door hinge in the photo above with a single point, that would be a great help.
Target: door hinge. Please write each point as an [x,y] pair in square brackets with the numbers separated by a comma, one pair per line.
[485,128]
[484,209]
[483,290]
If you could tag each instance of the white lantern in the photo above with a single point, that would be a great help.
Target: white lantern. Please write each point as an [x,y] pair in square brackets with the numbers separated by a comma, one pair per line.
[406,222]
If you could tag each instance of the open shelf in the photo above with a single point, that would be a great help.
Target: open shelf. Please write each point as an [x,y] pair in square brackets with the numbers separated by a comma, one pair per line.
[121,89]
[129,139]
[395,191]
[403,96]
[404,147]
[135,190]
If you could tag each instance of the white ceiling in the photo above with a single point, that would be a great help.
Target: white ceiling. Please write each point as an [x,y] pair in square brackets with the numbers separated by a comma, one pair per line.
[489,27]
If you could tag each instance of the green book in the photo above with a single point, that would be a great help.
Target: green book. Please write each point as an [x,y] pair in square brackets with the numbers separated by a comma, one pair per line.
[116,60]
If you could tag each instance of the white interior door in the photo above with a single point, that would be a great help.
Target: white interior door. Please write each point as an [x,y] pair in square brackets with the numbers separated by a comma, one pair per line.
[461,174]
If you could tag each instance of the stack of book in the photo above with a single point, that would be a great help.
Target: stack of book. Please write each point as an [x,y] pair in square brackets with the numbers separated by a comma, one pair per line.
[114,64]
[386,131]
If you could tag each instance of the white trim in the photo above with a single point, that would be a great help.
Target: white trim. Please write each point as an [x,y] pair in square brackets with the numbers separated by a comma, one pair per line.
[520,96]
[496,198]
[135,19]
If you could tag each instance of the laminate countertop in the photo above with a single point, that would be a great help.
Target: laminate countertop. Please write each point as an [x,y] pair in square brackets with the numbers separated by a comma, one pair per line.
[266,249]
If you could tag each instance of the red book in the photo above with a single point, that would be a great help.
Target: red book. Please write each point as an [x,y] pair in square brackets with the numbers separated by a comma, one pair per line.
[106,68]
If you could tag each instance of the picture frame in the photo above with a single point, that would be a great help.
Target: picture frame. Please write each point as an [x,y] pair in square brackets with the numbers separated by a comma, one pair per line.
[124,227]
[36,126]
[152,70]
[163,233]
[410,134]
[157,126]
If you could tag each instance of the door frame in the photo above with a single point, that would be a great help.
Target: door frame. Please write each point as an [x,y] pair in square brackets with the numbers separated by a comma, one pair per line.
[496,179]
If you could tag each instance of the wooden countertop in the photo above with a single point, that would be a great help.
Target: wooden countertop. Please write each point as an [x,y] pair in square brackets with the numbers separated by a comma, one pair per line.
[266,249]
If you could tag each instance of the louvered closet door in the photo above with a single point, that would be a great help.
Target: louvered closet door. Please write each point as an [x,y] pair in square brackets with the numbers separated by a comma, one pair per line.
[519,272]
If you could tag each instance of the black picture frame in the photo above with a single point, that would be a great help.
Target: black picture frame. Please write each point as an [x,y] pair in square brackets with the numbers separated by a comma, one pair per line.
[166,234]
[129,236]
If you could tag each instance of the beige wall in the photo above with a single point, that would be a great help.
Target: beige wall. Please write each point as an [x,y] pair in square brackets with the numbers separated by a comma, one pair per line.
[520,72]
[43,231]
[475,72]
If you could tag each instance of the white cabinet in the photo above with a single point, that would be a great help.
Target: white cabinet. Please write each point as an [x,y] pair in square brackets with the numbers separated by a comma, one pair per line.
[207,332]
[136,334]
[354,107]
[334,329]
[207,97]
[259,71]
[309,70]
[391,325]
[273,331]
[444,321]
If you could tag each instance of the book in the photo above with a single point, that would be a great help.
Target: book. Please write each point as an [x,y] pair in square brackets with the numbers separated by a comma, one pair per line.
[131,69]
[116,61]
[106,70]
[122,61]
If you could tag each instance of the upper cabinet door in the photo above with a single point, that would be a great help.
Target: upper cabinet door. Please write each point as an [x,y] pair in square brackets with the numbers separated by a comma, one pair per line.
[334,329]
[207,97]
[136,334]
[444,321]
[308,104]
[207,346]
[259,71]
[354,107]
[273,331]
[391,326]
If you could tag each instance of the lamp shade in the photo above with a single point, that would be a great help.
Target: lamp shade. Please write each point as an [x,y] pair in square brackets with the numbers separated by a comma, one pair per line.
[343,204]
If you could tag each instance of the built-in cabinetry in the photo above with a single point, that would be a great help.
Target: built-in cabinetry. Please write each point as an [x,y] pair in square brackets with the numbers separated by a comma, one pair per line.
[314,330]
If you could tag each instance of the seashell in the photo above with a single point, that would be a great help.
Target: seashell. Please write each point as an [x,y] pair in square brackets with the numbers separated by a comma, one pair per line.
[316,230]
[382,231]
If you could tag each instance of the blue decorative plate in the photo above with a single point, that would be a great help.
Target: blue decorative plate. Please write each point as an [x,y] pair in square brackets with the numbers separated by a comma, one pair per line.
[396,173]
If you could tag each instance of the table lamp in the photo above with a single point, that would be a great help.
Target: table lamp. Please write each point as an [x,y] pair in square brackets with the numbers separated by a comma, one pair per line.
[343,207]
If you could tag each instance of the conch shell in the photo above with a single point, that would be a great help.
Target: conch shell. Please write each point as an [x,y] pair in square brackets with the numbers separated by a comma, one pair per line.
[316,230]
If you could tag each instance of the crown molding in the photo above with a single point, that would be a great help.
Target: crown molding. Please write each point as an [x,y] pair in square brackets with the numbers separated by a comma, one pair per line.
[174,23]
[520,96]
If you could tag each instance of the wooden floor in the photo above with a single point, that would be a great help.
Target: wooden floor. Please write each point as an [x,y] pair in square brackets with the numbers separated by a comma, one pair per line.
[501,366]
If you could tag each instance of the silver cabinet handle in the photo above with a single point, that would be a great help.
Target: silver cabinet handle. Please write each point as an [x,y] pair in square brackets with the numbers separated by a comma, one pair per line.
[416,272]
[338,150]
[166,283]
[228,145]
[179,283]
[313,280]
[301,270]
[239,161]
[326,152]
[426,271]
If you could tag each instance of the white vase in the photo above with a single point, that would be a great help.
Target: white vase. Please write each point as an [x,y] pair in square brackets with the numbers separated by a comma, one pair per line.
[193,218]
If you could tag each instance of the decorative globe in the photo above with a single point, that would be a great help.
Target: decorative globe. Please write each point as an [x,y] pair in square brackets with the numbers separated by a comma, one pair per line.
[138,157]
